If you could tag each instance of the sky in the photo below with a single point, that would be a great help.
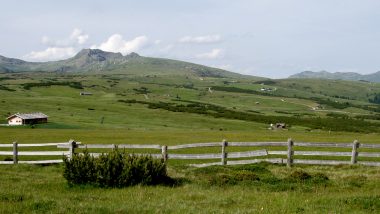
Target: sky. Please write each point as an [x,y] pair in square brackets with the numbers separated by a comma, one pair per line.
[269,38]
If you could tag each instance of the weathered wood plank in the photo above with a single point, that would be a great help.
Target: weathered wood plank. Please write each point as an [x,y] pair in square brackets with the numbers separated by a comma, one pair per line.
[328,145]
[369,154]
[270,160]
[164,153]
[42,153]
[277,152]
[320,162]
[41,162]
[15,152]
[66,145]
[94,154]
[369,163]
[194,145]
[138,146]
[6,162]
[369,146]
[224,152]
[96,146]
[6,152]
[257,144]
[256,153]
[195,156]
[120,146]
[322,153]
[40,144]
[206,164]
[290,153]
[354,153]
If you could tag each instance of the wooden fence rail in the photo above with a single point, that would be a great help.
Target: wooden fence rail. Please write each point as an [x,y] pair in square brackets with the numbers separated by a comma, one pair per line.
[291,153]
[15,153]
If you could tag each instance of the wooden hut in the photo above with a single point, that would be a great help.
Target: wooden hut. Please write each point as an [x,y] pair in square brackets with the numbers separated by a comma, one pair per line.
[28,118]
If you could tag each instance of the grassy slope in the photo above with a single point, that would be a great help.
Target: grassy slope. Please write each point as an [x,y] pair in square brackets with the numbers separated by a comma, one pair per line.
[27,189]
[70,118]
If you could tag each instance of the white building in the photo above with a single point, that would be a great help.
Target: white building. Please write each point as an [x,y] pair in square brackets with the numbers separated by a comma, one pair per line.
[29,118]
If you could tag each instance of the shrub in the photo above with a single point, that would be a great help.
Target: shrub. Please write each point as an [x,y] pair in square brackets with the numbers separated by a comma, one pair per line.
[114,169]
[80,169]
[245,175]
[320,178]
[299,176]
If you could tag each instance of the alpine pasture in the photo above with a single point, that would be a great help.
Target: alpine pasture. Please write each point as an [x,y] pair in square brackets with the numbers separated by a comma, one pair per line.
[150,105]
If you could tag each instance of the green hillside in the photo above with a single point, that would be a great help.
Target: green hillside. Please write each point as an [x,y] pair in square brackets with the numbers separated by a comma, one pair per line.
[352,76]
[136,92]
[161,96]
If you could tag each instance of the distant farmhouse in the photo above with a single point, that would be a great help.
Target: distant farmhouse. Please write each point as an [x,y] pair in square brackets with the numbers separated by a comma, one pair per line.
[83,93]
[29,118]
[266,89]
[277,126]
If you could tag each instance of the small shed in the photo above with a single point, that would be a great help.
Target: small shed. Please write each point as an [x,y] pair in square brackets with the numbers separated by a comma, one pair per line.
[278,126]
[83,93]
[28,118]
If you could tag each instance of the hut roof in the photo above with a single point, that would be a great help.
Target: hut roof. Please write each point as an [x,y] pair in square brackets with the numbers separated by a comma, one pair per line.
[26,116]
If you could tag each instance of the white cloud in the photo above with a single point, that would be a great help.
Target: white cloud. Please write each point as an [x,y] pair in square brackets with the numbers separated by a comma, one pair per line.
[78,36]
[201,39]
[213,54]
[59,48]
[51,53]
[116,43]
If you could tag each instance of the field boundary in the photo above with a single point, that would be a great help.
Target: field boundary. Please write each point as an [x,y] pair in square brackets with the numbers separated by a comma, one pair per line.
[288,152]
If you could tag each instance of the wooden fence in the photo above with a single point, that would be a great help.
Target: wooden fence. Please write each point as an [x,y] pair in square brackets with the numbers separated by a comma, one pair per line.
[16,153]
[291,153]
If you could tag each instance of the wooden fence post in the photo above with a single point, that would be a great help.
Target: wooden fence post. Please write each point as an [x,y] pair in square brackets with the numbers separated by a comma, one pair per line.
[354,155]
[224,153]
[289,160]
[72,145]
[164,151]
[15,152]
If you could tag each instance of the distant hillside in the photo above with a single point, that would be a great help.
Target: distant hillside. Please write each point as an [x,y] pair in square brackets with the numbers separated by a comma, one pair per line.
[95,61]
[375,77]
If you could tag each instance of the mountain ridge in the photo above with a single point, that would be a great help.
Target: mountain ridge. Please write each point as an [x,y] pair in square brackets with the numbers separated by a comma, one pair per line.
[96,60]
[351,76]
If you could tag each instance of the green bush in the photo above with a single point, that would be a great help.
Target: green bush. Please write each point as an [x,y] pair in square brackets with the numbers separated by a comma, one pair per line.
[299,176]
[80,169]
[114,169]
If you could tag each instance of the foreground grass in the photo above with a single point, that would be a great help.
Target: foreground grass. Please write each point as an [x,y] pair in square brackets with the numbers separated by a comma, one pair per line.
[37,189]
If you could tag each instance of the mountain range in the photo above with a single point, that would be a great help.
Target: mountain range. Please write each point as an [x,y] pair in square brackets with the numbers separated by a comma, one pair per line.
[98,61]
[95,60]
[352,76]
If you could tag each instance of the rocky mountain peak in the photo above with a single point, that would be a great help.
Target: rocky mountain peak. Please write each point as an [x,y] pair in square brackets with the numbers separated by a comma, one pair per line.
[97,55]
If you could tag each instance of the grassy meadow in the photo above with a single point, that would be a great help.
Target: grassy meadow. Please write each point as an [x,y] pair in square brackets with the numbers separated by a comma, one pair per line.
[182,118]
[257,189]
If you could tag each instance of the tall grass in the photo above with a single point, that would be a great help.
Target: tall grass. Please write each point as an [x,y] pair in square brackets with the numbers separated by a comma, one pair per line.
[248,189]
